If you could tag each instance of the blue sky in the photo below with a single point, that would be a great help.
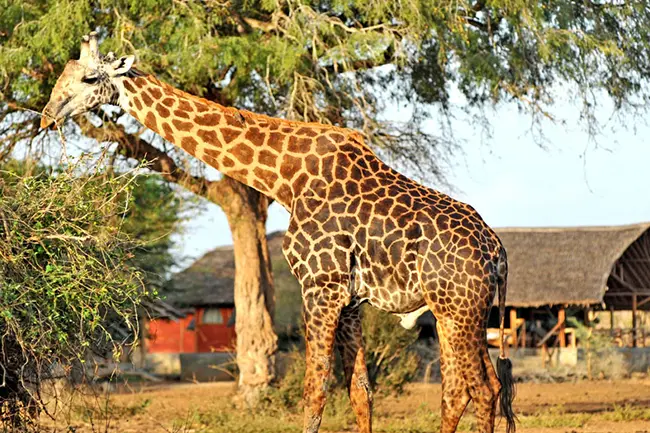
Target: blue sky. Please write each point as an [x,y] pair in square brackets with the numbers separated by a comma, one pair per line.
[511,180]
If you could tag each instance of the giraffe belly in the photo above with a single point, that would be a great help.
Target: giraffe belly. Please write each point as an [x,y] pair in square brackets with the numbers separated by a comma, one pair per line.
[388,296]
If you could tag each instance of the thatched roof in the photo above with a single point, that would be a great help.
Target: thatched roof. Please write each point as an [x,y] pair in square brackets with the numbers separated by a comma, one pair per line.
[159,309]
[568,265]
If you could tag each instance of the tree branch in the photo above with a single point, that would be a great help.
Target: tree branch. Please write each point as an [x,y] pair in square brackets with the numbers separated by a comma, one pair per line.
[263,26]
[134,147]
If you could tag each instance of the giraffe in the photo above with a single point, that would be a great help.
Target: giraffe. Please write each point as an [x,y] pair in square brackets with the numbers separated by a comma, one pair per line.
[359,232]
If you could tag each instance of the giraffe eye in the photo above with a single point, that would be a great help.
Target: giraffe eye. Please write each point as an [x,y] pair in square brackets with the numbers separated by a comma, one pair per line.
[91,79]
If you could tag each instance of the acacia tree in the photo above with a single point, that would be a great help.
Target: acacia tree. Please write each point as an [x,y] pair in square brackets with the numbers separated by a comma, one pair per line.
[332,61]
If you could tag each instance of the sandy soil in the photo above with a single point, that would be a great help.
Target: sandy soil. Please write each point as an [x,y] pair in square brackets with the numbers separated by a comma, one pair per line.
[589,397]
[169,407]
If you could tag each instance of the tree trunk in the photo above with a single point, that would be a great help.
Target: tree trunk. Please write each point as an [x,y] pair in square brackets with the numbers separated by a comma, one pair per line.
[246,210]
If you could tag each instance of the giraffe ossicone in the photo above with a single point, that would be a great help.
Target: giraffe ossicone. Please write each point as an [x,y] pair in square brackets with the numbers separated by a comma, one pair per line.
[359,232]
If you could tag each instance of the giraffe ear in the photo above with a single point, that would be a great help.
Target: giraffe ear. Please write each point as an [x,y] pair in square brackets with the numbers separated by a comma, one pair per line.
[121,65]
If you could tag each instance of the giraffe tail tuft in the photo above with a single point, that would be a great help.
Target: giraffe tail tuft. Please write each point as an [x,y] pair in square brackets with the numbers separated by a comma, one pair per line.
[504,365]
[507,393]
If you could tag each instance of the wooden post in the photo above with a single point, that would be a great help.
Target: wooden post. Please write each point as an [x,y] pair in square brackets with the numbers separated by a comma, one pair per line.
[513,327]
[611,320]
[561,319]
[523,333]
[634,304]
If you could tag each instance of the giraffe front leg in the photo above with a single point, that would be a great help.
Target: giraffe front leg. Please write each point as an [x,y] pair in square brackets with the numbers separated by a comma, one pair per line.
[321,317]
[349,341]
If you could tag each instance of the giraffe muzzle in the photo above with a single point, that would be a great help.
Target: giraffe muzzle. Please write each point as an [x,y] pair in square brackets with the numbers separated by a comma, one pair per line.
[53,113]
[47,121]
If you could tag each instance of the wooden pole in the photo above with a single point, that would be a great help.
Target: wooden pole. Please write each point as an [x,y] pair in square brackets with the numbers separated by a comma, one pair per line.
[513,327]
[634,303]
[611,320]
[561,319]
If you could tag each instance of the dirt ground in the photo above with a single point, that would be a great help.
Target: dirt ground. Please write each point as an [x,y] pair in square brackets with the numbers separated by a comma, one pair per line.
[600,406]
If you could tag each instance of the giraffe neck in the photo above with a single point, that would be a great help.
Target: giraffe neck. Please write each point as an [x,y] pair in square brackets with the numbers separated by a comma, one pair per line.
[274,156]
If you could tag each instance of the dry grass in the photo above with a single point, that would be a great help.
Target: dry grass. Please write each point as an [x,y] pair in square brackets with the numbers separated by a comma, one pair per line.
[621,406]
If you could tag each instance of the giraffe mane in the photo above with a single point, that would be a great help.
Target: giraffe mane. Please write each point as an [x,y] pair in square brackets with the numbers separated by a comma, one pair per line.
[249,114]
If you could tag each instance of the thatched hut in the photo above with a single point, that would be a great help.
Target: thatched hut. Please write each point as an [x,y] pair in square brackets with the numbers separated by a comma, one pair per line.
[204,293]
[585,267]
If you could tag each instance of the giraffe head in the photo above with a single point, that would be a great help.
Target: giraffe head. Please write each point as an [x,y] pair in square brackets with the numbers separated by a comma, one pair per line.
[86,83]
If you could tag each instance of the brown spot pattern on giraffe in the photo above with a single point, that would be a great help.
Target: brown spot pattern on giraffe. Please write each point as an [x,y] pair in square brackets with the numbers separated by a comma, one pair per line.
[162,111]
[129,86]
[182,114]
[211,119]
[155,92]
[209,137]
[255,136]
[243,153]
[168,131]
[229,134]
[146,99]
[150,121]
[189,144]
[182,125]
[136,102]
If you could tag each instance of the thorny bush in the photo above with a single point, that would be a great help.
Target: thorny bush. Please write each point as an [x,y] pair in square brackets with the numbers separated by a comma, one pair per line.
[66,280]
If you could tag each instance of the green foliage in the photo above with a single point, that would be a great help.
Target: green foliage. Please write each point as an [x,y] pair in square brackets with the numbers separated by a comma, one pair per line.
[628,412]
[286,393]
[234,421]
[152,217]
[322,60]
[391,363]
[554,417]
[66,277]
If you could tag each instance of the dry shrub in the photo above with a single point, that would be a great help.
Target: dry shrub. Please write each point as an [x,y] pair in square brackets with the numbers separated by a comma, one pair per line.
[65,279]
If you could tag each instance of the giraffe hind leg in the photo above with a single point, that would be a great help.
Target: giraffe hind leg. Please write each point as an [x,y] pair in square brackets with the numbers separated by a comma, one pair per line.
[455,394]
[349,341]
[468,355]
[494,381]
[480,387]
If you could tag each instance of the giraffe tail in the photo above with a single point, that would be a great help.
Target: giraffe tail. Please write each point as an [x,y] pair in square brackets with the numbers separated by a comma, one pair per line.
[504,365]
